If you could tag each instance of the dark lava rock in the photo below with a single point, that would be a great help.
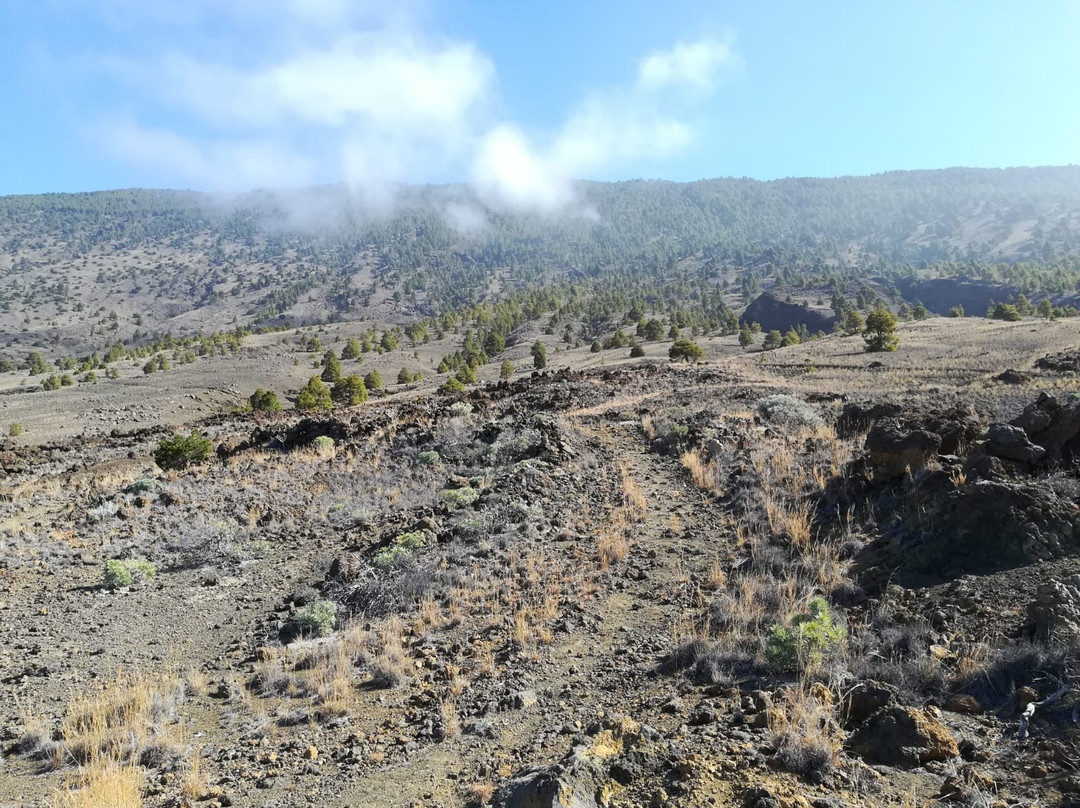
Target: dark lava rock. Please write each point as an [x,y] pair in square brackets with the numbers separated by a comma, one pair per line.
[866,698]
[1012,443]
[1055,613]
[903,736]
[773,314]
[896,449]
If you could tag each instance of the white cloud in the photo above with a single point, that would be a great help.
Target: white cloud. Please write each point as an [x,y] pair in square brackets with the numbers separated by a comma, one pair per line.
[508,172]
[399,82]
[230,165]
[286,92]
[687,64]
[616,127]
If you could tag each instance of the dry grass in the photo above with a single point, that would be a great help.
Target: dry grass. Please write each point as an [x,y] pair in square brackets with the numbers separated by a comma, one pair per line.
[480,793]
[806,733]
[104,784]
[123,721]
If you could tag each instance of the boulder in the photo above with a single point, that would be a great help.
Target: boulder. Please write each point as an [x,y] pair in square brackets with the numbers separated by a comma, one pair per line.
[616,750]
[865,699]
[1054,425]
[903,736]
[895,449]
[1012,376]
[1012,443]
[1055,612]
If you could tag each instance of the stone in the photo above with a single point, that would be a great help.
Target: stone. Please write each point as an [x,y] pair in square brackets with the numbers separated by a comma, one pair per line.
[1055,612]
[1012,443]
[1024,696]
[867,698]
[903,736]
[962,703]
[896,450]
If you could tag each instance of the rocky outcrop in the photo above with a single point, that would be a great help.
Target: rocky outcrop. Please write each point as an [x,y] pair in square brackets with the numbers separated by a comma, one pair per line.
[616,750]
[896,450]
[903,736]
[1053,424]
[1062,362]
[1055,613]
[1009,442]
[865,699]
[773,314]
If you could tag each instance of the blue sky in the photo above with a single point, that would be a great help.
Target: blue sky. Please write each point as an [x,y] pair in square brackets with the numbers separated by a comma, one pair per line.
[520,98]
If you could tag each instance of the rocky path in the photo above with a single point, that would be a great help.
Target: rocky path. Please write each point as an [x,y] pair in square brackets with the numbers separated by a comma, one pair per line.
[605,669]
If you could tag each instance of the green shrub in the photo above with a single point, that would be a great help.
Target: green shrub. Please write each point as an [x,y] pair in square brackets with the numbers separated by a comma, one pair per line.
[349,391]
[880,333]
[117,574]
[179,452]
[15,429]
[413,540]
[391,555]
[141,570]
[1007,312]
[143,486]
[316,620]
[804,645]
[686,350]
[451,386]
[460,497]
[265,401]
[429,458]
[459,409]
[51,383]
[323,443]
[314,396]
[402,549]
[126,573]
[788,410]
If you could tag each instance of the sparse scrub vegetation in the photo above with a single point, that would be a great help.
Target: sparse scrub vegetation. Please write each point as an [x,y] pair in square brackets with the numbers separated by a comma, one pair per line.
[120,573]
[316,620]
[179,452]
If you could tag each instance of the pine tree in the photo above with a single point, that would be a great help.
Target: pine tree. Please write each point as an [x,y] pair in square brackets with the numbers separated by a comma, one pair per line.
[351,349]
[314,396]
[331,367]
[880,331]
[350,391]
[539,355]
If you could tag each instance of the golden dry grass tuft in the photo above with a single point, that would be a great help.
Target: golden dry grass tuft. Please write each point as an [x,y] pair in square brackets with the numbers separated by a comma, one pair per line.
[104,784]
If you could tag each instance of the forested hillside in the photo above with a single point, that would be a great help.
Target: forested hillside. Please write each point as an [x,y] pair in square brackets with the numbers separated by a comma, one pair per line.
[82,271]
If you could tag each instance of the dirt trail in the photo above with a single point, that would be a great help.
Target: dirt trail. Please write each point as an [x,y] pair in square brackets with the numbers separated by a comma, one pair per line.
[604,669]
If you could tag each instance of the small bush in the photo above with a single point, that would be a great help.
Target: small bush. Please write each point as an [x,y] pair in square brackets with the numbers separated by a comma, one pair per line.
[804,645]
[323,444]
[686,350]
[459,409]
[413,540]
[179,452]
[429,458]
[127,573]
[15,429]
[117,574]
[460,497]
[265,401]
[789,411]
[316,620]
[402,549]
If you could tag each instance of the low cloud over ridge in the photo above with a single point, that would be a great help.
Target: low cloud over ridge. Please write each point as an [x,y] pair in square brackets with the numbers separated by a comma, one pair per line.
[362,93]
